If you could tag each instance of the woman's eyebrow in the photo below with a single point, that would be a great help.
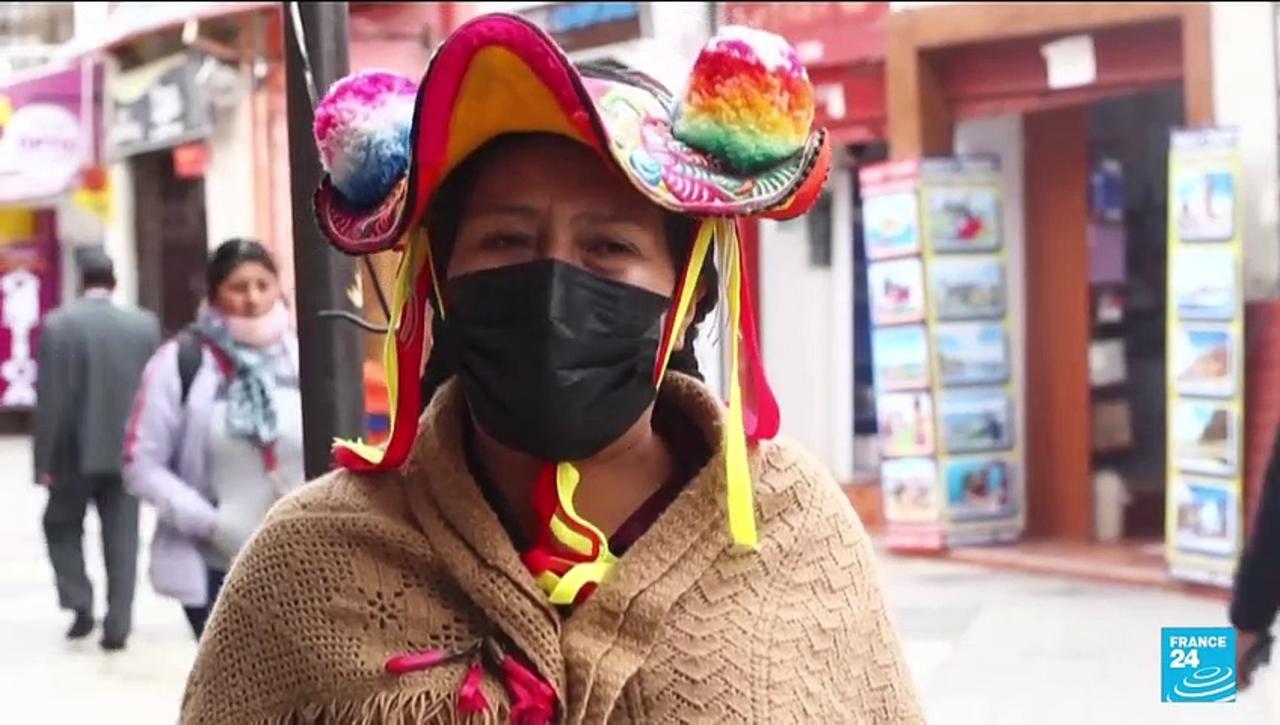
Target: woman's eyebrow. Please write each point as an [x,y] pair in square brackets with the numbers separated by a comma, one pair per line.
[597,217]
[516,210]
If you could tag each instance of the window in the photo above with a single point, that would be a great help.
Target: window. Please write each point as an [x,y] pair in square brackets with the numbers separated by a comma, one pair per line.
[819,224]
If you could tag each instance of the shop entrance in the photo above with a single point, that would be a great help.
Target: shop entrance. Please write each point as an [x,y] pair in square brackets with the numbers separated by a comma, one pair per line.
[1128,271]
[1096,199]
[172,239]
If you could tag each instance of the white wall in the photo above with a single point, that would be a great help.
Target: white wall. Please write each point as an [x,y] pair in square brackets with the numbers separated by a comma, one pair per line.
[806,329]
[119,236]
[840,393]
[75,227]
[229,182]
[1244,96]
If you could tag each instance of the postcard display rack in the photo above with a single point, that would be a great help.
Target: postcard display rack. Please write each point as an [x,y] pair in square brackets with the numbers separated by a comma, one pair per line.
[946,397]
[1205,346]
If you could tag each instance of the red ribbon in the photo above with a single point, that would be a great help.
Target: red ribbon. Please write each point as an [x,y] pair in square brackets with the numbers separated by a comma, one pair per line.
[471,699]
[760,410]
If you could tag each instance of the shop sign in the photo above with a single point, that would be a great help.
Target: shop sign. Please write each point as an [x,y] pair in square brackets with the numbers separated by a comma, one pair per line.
[822,33]
[581,26]
[44,139]
[190,160]
[158,105]
[29,283]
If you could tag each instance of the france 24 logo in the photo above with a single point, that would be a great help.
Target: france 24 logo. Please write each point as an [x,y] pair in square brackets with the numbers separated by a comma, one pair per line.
[1197,664]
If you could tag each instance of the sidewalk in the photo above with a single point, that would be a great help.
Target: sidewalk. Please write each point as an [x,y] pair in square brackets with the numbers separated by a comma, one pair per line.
[996,647]
[45,678]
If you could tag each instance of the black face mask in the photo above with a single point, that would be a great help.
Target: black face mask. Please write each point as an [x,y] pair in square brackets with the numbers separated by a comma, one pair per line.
[555,361]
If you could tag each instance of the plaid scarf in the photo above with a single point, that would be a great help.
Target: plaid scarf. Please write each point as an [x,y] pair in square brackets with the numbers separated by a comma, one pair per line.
[251,412]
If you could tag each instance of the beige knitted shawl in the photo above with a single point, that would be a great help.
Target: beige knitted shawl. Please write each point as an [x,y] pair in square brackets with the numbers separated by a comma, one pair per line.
[352,570]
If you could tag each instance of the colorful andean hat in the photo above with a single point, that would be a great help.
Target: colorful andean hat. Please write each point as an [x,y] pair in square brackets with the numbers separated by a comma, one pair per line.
[739,143]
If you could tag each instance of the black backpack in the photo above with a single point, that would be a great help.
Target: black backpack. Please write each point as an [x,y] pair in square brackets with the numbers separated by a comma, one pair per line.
[190,355]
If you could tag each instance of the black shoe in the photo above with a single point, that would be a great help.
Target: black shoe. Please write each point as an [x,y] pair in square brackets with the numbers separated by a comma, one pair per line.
[112,644]
[81,627]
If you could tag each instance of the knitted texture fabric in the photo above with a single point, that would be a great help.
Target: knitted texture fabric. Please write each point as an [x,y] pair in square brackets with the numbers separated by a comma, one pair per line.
[352,570]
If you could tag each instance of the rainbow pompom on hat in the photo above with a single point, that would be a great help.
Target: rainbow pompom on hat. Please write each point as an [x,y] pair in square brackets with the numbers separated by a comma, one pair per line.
[740,143]
[750,103]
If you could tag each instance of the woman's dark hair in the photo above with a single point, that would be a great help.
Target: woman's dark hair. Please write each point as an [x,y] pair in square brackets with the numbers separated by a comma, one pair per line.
[231,254]
[443,216]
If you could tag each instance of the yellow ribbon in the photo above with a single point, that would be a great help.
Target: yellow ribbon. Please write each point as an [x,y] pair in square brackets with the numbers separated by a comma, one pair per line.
[742,518]
[688,285]
[411,261]
[567,479]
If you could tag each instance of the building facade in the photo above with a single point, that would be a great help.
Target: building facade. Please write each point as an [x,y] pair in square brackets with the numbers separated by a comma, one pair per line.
[1061,100]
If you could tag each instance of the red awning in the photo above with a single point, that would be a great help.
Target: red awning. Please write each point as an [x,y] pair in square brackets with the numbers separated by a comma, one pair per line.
[850,101]
[1010,76]
[823,33]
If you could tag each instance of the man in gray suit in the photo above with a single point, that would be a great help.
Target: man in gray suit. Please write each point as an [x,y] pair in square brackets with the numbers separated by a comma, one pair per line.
[90,362]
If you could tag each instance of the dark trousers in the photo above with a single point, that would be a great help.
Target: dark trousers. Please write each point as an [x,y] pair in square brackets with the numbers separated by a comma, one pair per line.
[64,533]
[197,617]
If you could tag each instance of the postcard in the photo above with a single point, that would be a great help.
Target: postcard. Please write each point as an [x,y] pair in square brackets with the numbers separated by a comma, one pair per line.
[896,291]
[972,354]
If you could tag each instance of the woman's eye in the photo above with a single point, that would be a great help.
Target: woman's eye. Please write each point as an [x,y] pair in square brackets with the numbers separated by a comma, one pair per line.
[505,241]
[609,247]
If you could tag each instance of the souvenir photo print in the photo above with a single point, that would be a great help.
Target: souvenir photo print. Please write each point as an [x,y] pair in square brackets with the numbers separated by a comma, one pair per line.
[905,424]
[1205,282]
[972,354]
[1204,205]
[964,219]
[1207,517]
[968,288]
[980,488]
[976,420]
[1205,361]
[891,225]
[910,489]
[1205,438]
[900,356]
[897,291]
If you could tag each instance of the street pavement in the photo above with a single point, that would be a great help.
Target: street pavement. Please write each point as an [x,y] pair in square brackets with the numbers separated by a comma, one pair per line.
[44,678]
[1003,648]
[984,647]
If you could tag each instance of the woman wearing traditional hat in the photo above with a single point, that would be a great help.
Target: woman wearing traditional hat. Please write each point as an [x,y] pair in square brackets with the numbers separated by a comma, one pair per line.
[576,529]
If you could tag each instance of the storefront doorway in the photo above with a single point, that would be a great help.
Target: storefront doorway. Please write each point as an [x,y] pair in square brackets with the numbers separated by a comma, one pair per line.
[172,239]
[1128,141]
[1096,201]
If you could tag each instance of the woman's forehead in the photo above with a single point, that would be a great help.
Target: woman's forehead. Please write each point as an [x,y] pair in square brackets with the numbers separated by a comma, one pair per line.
[544,169]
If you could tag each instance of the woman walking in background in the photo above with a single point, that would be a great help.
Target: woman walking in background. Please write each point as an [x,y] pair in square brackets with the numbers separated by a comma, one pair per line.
[216,433]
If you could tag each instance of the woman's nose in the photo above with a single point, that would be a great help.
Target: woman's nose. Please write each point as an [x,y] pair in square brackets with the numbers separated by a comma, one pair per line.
[557,243]
[253,301]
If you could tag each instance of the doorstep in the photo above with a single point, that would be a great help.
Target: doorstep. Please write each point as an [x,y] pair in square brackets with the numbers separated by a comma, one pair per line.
[1132,563]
